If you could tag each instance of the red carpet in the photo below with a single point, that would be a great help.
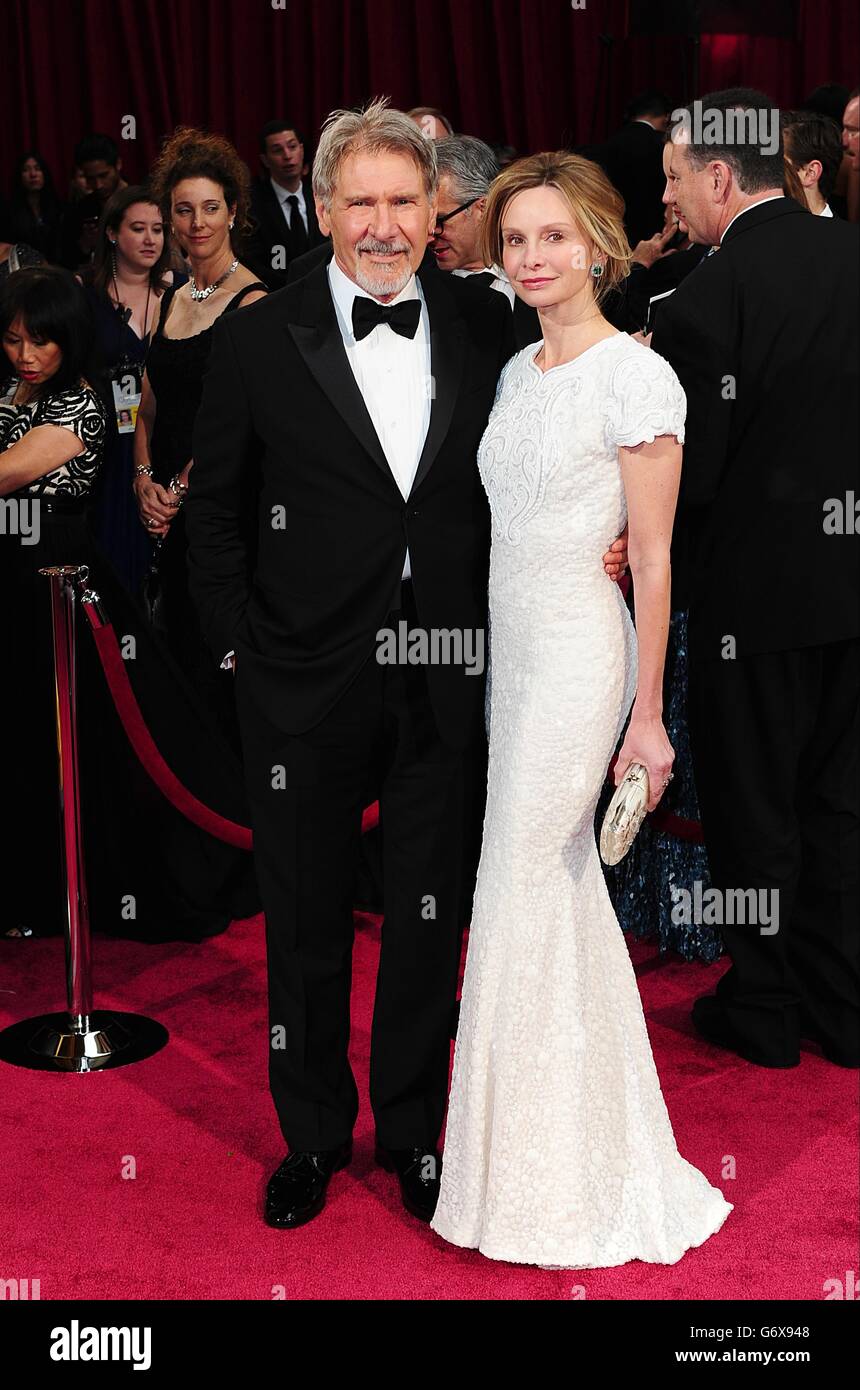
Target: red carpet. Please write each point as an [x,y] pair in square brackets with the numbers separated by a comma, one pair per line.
[198,1122]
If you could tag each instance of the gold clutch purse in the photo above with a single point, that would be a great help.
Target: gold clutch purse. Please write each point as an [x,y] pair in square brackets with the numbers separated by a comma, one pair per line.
[625,814]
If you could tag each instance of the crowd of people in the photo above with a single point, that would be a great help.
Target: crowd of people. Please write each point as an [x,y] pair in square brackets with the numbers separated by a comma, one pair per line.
[187,355]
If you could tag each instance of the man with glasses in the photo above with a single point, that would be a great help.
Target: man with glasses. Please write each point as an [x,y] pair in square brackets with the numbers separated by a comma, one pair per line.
[467,167]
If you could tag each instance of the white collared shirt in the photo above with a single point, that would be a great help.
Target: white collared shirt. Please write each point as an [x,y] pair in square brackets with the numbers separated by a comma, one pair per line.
[282,194]
[393,374]
[772,199]
[501,282]
[826,211]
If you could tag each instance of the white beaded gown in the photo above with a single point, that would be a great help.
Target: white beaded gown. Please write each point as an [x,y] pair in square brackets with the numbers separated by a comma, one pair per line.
[559,1150]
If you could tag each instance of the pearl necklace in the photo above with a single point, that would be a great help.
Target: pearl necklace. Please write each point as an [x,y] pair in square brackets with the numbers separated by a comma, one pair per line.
[210,289]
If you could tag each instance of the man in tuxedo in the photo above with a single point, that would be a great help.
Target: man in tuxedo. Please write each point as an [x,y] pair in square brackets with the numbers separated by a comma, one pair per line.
[813,148]
[632,158]
[282,206]
[767,508]
[359,399]
[851,130]
[467,167]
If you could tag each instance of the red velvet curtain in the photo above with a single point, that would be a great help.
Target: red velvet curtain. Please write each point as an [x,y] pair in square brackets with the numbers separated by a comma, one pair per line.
[532,73]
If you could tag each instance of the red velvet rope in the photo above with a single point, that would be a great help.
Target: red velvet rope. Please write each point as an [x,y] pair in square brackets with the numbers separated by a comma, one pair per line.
[183,800]
[146,750]
[679,826]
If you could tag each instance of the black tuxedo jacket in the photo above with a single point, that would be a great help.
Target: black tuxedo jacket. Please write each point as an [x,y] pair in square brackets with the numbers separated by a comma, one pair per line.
[526,323]
[270,231]
[633,160]
[527,327]
[280,403]
[764,338]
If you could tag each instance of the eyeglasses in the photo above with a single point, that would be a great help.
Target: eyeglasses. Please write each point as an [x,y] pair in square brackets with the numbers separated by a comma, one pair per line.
[440,221]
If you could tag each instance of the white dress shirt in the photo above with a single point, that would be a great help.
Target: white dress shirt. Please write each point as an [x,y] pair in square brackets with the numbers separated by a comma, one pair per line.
[282,194]
[501,283]
[826,211]
[394,377]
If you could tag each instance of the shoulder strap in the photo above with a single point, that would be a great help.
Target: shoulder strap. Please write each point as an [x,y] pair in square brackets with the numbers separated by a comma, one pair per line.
[165,303]
[240,294]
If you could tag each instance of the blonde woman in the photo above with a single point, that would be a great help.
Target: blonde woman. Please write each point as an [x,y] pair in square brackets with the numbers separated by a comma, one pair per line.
[559,1149]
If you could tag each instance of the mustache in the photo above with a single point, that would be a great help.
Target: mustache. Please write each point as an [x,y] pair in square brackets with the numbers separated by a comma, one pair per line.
[382,248]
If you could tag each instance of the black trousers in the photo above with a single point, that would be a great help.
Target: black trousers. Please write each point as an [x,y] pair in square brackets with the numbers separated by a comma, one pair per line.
[774,743]
[307,794]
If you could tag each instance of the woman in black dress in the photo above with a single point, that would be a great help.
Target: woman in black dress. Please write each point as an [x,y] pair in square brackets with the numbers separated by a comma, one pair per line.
[151,874]
[126,284]
[35,211]
[203,189]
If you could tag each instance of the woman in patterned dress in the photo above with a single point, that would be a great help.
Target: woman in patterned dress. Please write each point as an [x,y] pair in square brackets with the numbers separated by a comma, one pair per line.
[53,424]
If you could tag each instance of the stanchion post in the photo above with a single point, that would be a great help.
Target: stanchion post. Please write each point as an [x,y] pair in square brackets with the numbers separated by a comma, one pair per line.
[81,1040]
[79,985]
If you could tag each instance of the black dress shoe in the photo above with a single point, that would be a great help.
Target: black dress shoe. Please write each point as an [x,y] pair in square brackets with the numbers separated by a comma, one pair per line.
[296,1191]
[710,1021]
[832,1051]
[419,1171]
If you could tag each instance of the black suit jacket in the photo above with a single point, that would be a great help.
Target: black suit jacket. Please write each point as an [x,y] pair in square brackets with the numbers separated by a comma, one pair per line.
[280,398]
[526,323]
[270,233]
[764,338]
[633,160]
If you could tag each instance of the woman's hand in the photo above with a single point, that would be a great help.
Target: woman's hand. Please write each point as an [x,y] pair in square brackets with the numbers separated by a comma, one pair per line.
[156,505]
[647,742]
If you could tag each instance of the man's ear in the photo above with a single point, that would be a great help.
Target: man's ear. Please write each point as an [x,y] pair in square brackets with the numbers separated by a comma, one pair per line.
[810,173]
[722,176]
[322,217]
[480,208]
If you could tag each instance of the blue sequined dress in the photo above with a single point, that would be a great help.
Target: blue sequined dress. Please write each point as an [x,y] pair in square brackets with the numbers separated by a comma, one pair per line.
[648,882]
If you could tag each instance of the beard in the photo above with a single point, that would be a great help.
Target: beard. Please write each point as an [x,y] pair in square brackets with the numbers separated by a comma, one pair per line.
[379,280]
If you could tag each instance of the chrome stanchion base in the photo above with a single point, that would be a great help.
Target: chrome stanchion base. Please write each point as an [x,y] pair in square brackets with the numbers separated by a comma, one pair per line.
[95,1042]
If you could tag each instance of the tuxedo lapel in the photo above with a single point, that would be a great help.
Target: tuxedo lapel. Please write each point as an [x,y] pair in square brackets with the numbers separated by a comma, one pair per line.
[447,355]
[315,331]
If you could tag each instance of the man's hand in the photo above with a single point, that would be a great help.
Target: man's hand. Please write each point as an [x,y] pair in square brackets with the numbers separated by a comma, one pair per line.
[647,252]
[615,559]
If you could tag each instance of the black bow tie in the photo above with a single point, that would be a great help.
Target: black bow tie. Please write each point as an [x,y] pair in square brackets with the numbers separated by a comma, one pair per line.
[367,313]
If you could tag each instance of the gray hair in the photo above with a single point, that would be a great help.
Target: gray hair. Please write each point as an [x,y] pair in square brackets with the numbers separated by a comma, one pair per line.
[469,164]
[375,129]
